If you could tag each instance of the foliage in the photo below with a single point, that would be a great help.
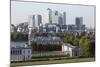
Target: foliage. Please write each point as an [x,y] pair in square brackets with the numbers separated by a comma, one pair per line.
[17,36]
[47,47]
[86,43]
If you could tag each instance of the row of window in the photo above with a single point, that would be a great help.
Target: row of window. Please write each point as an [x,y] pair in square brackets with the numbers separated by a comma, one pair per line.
[20,58]
[48,42]
[18,52]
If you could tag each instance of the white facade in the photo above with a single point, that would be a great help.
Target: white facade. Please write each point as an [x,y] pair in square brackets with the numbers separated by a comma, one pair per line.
[55,18]
[71,50]
[31,21]
[20,52]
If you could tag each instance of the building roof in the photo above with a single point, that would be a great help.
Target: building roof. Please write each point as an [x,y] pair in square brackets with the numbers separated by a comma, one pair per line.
[19,45]
[69,45]
[47,40]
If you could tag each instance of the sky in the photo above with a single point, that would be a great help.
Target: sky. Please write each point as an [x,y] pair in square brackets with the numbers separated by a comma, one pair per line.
[20,12]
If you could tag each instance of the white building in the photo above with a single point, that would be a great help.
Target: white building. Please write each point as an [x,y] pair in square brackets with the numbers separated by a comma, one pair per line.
[20,51]
[71,50]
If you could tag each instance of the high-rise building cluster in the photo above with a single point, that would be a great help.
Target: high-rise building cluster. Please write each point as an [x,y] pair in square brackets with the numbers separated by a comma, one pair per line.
[56,23]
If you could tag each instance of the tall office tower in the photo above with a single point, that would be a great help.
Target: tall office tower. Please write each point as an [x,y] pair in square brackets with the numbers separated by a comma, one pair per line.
[39,19]
[79,23]
[55,17]
[64,18]
[79,20]
[60,20]
[50,15]
[31,23]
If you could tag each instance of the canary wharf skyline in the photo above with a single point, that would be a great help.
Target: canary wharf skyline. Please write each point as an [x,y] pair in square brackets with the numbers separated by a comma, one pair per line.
[21,10]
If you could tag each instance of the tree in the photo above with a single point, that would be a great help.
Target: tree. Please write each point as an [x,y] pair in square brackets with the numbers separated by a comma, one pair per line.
[68,39]
[18,36]
[76,42]
[85,43]
[34,46]
[13,36]
[92,48]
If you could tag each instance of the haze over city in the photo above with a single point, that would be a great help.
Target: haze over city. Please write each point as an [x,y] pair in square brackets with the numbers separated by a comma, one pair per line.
[21,10]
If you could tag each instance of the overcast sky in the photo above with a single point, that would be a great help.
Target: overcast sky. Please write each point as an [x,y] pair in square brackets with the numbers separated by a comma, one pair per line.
[21,10]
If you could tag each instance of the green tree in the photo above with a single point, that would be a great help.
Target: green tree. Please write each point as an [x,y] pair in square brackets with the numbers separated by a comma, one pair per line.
[92,48]
[34,46]
[85,43]
[76,42]
[17,36]
[13,36]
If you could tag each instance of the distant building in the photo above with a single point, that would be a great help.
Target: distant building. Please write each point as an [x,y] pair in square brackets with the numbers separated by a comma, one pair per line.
[60,20]
[39,20]
[63,28]
[35,22]
[51,27]
[57,17]
[64,18]
[31,23]
[80,27]
[22,27]
[79,21]
[13,28]
[71,28]
[50,15]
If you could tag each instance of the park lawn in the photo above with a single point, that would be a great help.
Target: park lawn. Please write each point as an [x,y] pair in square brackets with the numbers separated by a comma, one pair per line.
[59,61]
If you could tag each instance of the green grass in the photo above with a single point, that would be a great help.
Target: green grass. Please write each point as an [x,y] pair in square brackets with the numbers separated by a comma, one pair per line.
[53,61]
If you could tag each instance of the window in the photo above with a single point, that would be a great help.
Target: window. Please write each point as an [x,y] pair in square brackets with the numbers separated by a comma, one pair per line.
[28,57]
[24,51]
[11,52]
[20,52]
[28,51]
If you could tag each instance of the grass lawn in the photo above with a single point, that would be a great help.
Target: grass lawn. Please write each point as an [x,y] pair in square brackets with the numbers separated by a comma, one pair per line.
[53,61]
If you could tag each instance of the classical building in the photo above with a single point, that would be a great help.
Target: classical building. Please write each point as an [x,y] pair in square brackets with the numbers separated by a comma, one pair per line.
[65,48]
[20,51]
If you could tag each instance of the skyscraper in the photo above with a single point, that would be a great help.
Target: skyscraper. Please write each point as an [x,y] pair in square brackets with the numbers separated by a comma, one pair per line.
[55,15]
[60,20]
[79,21]
[64,18]
[31,21]
[39,19]
[80,27]
[50,15]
